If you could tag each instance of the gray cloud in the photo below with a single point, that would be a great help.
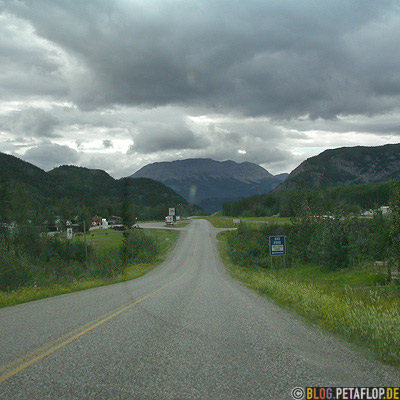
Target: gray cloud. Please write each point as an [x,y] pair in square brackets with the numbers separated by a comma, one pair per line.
[157,137]
[108,144]
[49,155]
[265,81]
[263,58]
[30,66]
[30,122]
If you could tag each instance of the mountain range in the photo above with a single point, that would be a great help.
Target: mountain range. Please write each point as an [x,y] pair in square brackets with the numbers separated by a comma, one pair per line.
[34,193]
[208,182]
[352,178]
[156,187]
[346,166]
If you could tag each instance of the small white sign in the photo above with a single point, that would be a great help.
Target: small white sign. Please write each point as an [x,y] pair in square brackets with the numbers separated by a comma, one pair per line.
[69,233]
[236,221]
[172,211]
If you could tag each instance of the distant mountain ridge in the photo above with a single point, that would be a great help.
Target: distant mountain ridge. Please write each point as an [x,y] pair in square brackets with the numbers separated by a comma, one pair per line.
[74,188]
[208,182]
[346,166]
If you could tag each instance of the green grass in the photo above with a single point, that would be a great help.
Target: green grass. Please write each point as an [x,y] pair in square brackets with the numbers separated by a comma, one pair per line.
[219,221]
[353,304]
[166,241]
[270,220]
[103,238]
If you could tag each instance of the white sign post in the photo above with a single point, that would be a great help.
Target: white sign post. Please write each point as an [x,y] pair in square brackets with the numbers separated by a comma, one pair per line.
[172,214]
[69,233]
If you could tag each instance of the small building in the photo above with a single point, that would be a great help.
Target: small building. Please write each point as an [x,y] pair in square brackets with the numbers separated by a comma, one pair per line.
[368,214]
[385,210]
[114,220]
[96,220]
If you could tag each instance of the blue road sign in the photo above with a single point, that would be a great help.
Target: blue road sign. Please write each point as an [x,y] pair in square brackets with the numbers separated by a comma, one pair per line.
[277,245]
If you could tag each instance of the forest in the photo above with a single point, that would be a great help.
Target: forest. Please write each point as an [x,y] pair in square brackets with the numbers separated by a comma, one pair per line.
[350,199]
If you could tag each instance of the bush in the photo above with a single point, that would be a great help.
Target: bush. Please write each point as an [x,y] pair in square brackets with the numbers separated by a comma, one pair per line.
[137,247]
[250,247]
[333,243]
[29,256]
[106,263]
[14,270]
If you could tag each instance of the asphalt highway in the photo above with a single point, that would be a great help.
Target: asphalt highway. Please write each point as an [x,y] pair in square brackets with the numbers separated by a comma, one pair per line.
[186,330]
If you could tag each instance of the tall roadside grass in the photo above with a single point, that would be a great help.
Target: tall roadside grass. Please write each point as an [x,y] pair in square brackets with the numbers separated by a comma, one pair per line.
[369,317]
[26,278]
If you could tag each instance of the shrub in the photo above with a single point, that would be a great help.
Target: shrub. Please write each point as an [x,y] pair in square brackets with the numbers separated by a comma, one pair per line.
[138,247]
[334,243]
[29,256]
[14,270]
[106,263]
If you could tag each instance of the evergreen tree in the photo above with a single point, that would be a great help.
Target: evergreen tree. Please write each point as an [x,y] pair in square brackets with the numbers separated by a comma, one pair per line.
[5,205]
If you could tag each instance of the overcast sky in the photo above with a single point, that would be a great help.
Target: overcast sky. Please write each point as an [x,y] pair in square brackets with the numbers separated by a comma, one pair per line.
[118,84]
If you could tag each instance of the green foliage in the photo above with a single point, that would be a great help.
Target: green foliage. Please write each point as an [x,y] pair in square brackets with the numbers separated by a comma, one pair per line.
[334,243]
[106,263]
[126,208]
[14,270]
[77,194]
[334,240]
[5,204]
[395,222]
[346,166]
[30,256]
[348,199]
[137,247]
[102,269]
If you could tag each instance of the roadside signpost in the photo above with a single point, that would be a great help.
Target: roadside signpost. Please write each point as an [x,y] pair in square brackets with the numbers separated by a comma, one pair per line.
[172,214]
[69,233]
[277,247]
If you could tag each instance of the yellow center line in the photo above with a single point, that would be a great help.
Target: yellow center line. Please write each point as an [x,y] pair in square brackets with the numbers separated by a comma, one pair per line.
[61,342]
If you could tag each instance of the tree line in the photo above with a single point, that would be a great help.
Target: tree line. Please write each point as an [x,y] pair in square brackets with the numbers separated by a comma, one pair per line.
[139,199]
[350,199]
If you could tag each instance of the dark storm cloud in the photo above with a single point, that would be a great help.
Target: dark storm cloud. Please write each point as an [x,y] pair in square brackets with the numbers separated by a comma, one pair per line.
[30,122]
[29,65]
[282,59]
[49,155]
[108,144]
[264,81]
[156,137]
[382,125]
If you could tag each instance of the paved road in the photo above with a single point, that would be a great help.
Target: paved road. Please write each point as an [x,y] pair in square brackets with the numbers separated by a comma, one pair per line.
[186,330]
[158,225]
